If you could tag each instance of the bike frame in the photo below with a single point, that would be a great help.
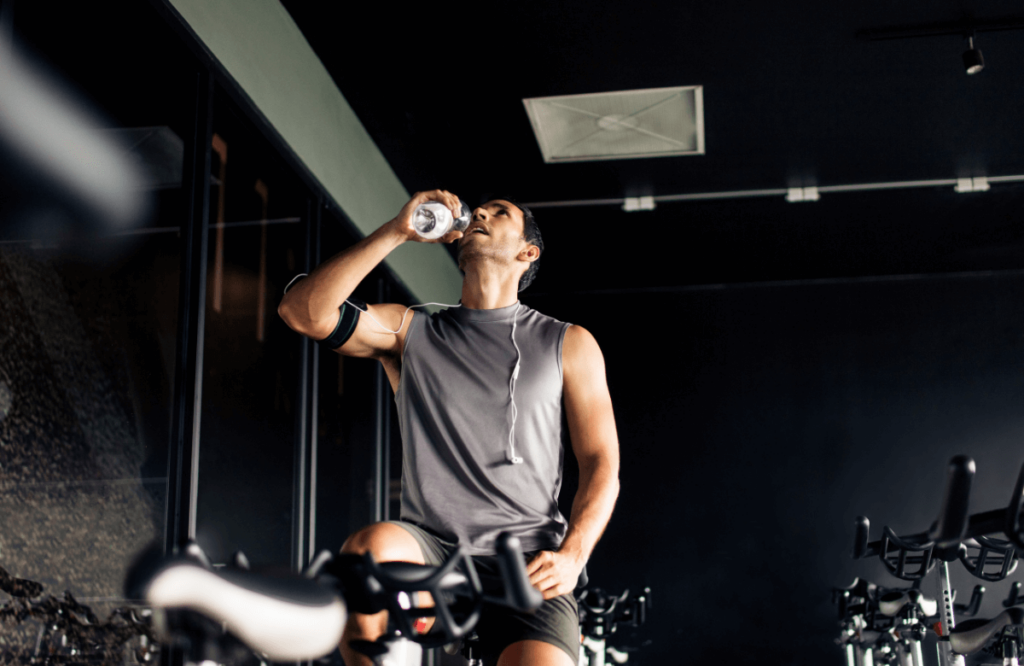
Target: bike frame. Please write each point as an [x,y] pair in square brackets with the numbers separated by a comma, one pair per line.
[946,655]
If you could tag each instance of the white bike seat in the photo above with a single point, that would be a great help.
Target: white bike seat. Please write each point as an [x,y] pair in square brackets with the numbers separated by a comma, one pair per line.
[286,620]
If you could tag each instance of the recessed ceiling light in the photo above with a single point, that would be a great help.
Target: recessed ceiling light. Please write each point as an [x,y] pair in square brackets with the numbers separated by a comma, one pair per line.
[656,122]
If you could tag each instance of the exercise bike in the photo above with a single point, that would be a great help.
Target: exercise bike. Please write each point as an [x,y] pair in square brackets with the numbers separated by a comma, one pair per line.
[969,539]
[601,615]
[888,625]
[209,613]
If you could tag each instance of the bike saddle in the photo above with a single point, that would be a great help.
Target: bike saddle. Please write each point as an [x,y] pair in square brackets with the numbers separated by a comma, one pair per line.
[972,635]
[293,619]
[891,603]
[870,636]
[853,600]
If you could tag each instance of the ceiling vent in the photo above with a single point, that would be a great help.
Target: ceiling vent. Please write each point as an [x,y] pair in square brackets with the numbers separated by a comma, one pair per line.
[657,122]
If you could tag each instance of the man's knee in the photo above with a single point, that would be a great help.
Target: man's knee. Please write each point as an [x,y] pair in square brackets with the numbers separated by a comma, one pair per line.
[535,653]
[387,542]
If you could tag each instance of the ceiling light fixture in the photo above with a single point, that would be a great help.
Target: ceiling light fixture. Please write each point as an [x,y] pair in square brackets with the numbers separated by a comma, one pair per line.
[975,184]
[974,62]
[633,204]
[967,28]
[795,194]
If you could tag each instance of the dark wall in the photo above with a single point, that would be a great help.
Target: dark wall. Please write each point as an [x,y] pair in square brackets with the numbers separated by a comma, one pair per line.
[755,423]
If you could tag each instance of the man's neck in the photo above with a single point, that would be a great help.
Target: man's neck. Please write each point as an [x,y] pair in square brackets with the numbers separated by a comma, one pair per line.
[487,290]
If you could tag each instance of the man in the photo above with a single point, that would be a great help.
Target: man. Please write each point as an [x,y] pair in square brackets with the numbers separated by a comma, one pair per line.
[479,390]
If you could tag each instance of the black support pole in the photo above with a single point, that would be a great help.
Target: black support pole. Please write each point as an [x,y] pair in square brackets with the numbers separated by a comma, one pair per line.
[314,395]
[183,452]
[385,417]
[379,478]
[183,449]
[304,466]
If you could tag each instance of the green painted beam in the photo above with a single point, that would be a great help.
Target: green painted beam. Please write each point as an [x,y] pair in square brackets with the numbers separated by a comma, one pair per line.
[260,46]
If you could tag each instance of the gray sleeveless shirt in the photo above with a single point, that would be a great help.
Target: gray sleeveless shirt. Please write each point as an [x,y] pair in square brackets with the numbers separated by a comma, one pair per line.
[455,415]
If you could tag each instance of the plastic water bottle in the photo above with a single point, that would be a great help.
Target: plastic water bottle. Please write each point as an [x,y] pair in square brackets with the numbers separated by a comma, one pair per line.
[433,219]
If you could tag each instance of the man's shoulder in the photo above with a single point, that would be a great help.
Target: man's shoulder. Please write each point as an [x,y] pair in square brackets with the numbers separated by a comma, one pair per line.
[579,343]
[543,319]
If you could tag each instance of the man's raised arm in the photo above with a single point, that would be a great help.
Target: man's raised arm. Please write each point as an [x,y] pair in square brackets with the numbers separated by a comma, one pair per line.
[311,306]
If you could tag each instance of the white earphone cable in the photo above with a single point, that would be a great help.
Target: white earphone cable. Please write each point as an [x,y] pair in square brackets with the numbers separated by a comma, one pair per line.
[511,382]
[512,394]
[404,314]
[516,460]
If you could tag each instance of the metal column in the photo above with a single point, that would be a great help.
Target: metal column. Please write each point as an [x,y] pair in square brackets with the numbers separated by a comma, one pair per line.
[305,463]
[186,408]
[382,431]
[183,452]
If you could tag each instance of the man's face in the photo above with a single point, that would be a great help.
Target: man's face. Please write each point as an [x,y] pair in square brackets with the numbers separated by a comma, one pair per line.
[495,231]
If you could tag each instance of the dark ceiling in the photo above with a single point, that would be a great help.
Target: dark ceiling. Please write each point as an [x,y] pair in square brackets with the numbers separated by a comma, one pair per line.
[791,96]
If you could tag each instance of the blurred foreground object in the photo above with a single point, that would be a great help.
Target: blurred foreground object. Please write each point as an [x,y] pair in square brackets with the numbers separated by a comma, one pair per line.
[60,174]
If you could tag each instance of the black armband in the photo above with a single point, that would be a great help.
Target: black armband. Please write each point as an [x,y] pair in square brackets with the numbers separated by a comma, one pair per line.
[347,320]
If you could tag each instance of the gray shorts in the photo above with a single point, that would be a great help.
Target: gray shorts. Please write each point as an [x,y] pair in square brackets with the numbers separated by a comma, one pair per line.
[557,621]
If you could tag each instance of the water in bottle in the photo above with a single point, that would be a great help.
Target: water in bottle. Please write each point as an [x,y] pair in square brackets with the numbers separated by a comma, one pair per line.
[433,219]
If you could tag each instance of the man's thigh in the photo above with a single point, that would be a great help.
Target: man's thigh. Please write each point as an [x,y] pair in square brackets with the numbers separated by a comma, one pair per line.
[554,626]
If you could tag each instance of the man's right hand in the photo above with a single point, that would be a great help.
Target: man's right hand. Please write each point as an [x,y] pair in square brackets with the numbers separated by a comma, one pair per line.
[402,223]
[311,306]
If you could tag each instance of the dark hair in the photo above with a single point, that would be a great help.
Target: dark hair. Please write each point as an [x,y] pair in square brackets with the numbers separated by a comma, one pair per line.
[531,234]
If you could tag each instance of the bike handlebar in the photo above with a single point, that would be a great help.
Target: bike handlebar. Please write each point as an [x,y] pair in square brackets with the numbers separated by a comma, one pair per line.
[862,528]
[947,531]
[393,579]
[954,534]
[519,593]
[370,587]
[1012,523]
[296,618]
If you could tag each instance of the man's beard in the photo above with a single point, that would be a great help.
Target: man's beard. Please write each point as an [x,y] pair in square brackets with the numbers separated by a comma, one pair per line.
[465,254]
[471,253]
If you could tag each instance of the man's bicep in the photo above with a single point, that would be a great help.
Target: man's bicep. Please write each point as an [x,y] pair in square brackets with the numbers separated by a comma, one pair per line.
[588,402]
[374,335]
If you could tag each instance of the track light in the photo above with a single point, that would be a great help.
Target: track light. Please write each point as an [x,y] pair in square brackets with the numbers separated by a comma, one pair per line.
[974,62]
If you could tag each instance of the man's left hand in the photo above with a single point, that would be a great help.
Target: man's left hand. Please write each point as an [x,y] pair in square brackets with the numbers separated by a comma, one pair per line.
[554,573]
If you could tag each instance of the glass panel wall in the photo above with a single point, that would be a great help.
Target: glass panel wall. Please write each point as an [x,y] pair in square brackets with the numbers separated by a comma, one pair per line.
[88,320]
[251,362]
[346,425]
[88,340]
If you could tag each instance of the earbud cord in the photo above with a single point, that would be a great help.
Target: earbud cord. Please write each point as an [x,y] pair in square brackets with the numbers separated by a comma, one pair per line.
[404,314]
[516,460]
[511,382]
